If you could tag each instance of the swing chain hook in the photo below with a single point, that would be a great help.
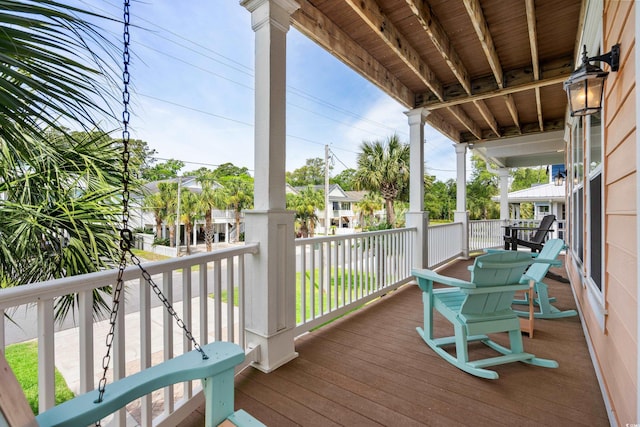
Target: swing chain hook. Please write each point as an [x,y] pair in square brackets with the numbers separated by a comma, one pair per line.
[126,235]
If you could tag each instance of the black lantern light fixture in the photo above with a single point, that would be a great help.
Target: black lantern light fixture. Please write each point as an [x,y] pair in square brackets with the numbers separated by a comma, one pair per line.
[586,84]
[558,179]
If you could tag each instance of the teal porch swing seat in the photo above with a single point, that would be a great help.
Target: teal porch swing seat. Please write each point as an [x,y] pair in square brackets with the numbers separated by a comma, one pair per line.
[476,308]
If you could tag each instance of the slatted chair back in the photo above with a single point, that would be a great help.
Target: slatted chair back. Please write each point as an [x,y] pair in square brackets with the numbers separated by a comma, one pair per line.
[550,251]
[492,274]
[543,229]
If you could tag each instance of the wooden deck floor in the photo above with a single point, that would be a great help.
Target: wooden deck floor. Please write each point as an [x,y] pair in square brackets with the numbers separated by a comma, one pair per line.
[371,368]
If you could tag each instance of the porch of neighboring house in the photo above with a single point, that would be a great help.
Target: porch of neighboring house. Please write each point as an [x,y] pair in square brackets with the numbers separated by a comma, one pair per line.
[371,368]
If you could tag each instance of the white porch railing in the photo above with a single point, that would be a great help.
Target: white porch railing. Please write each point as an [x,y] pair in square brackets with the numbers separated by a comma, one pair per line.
[486,234]
[444,243]
[335,274]
[186,279]
[339,273]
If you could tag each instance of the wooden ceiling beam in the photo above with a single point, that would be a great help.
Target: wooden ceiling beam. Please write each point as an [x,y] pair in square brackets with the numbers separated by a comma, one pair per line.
[373,17]
[319,28]
[436,121]
[466,121]
[513,110]
[439,38]
[474,10]
[487,116]
[434,105]
[533,42]
[518,80]
[484,36]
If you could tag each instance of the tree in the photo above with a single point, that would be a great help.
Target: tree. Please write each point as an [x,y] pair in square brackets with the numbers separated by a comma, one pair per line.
[189,210]
[526,177]
[229,169]
[168,192]
[211,197]
[440,199]
[367,207]
[312,173]
[164,170]
[384,167]
[60,211]
[345,179]
[238,195]
[154,203]
[480,189]
[305,204]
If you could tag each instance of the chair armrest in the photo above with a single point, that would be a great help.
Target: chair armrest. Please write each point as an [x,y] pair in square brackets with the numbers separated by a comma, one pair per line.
[432,276]
[553,262]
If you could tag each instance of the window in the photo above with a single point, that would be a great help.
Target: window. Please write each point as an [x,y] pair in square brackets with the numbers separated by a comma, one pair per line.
[594,199]
[577,199]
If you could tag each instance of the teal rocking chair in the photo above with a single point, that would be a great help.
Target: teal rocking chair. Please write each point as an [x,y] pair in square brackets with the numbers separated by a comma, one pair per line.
[476,308]
[537,272]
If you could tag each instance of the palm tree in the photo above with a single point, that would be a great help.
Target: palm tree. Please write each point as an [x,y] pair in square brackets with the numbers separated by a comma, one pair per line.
[59,206]
[305,205]
[210,198]
[168,192]
[367,207]
[154,203]
[239,195]
[189,206]
[384,167]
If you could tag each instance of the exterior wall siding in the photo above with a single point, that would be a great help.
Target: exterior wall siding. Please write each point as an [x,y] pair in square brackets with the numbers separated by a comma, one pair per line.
[616,346]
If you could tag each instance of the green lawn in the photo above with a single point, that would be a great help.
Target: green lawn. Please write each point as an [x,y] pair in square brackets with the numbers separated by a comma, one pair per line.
[148,256]
[358,279]
[23,360]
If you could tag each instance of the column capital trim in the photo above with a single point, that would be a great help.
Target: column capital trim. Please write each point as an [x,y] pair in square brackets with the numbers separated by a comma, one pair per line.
[417,116]
[460,148]
[276,12]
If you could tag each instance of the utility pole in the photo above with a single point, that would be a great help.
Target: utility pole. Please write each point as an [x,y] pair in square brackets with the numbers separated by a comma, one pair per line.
[178,219]
[327,220]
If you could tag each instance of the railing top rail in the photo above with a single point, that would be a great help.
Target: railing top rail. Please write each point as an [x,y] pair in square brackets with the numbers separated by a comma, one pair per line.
[337,237]
[29,293]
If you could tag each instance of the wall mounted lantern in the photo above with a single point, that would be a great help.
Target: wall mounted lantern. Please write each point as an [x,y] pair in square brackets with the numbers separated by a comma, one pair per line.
[558,179]
[586,84]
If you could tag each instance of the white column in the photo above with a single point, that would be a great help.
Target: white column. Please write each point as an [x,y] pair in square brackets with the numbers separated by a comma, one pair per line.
[461,215]
[270,308]
[416,217]
[503,174]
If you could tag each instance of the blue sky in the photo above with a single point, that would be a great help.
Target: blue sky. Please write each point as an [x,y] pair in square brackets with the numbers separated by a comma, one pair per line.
[193,98]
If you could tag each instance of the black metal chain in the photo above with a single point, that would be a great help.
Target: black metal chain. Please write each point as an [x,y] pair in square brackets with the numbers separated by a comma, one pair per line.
[126,236]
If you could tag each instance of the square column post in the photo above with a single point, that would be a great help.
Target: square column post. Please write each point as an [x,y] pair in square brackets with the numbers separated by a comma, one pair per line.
[461,214]
[503,174]
[270,294]
[417,217]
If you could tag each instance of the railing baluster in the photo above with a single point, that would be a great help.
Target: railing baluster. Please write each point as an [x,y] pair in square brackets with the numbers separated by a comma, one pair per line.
[187,319]
[217,299]
[145,346]
[167,290]
[203,292]
[85,335]
[241,299]
[230,300]
[46,355]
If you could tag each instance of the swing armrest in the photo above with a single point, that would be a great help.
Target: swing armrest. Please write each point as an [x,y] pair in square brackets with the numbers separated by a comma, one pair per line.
[83,410]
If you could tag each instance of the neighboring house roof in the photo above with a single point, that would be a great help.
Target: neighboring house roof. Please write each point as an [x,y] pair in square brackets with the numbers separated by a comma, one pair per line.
[187,182]
[537,193]
[336,193]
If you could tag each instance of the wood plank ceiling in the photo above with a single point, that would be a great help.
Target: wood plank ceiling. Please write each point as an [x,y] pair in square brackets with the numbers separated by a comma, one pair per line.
[485,69]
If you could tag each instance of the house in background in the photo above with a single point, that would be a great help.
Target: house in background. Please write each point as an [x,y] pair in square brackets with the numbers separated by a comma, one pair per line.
[344,217]
[548,198]
[144,218]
